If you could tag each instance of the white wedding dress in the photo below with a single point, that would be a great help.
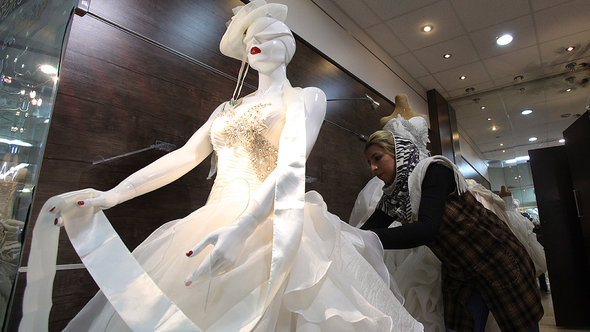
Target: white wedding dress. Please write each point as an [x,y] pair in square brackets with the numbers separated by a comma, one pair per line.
[337,281]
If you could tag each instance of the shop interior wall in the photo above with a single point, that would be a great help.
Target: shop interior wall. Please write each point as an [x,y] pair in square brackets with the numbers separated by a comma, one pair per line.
[120,91]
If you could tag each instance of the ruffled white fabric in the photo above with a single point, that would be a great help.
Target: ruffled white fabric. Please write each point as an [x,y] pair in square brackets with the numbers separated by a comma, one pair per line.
[521,227]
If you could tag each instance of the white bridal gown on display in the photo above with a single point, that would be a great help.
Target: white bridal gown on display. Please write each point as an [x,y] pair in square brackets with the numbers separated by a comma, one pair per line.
[337,280]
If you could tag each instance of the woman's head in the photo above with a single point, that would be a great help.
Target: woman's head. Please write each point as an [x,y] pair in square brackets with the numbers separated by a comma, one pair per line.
[380,153]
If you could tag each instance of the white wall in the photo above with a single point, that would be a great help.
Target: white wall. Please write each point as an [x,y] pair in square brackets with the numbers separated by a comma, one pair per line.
[309,22]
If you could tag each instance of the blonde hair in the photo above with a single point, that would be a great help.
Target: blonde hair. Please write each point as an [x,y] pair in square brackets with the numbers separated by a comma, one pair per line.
[383,139]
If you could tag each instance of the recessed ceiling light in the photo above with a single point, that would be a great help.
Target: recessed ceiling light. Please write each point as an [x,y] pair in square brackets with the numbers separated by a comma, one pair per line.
[489,119]
[503,150]
[562,140]
[532,139]
[462,77]
[571,48]
[448,55]
[427,28]
[526,112]
[494,128]
[483,107]
[468,90]
[568,89]
[501,144]
[504,39]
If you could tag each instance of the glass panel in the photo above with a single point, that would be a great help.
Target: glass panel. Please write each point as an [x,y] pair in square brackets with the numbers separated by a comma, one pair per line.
[32,35]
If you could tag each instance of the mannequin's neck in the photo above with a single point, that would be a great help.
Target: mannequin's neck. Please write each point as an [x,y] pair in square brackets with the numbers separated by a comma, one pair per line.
[272,82]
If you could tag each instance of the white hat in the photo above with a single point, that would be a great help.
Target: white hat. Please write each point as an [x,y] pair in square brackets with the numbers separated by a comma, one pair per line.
[232,41]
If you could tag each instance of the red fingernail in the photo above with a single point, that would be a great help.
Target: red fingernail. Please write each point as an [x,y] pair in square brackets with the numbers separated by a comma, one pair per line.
[53,208]
[80,203]
[189,253]
[55,221]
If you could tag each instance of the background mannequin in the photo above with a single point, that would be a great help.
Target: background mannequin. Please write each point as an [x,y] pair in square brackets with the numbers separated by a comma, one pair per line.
[402,107]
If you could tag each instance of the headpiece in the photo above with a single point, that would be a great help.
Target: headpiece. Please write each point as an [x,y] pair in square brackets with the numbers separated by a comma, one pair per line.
[232,41]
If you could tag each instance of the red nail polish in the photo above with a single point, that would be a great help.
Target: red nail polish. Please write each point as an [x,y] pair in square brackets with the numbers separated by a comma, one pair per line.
[189,253]
[80,203]
[53,208]
[55,221]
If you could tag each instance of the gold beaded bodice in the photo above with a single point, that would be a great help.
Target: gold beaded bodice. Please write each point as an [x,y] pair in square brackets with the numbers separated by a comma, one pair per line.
[255,129]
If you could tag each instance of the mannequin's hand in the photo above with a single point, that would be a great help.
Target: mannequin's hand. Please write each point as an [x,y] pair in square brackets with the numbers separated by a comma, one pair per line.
[229,243]
[59,205]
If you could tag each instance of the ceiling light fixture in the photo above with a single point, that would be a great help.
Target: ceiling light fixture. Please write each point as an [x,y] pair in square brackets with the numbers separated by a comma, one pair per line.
[568,89]
[427,28]
[504,39]
[532,139]
[489,119]
[447,55]
[462,77]
[571,48]
[494,128]
[503,150]
[501,144]
[562,140]
[483,107]
[526,112]
[468,90]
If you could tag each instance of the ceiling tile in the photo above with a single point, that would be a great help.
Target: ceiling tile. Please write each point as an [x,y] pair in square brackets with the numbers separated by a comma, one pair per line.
[554,52]
[475,73]
[387,9]
[359,12]
[478,14]
[461,48]
[386,39]
[429,83]
[566,19]
[411,65]
[522,29]
[542,4]
[460,92]
[519,62]
[440,15]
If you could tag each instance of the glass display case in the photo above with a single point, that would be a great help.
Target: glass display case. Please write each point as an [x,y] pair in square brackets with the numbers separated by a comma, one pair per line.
[33,34]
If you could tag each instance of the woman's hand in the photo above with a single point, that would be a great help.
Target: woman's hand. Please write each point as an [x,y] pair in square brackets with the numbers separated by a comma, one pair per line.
[229,242]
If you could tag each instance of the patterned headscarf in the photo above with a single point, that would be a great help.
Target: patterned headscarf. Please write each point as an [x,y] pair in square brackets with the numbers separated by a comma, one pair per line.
[395,201]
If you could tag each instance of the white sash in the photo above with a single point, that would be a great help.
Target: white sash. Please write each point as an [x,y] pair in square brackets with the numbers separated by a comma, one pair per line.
[118,274]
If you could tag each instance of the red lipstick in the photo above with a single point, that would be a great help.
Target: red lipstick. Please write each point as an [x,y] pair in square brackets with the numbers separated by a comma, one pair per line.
[255,50]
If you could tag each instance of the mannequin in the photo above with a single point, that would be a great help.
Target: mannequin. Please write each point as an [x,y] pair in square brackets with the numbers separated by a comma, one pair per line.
[261,254]
[504,192]
[402,107]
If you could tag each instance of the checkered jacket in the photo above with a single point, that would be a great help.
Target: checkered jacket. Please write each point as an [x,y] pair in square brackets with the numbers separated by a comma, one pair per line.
[478,250]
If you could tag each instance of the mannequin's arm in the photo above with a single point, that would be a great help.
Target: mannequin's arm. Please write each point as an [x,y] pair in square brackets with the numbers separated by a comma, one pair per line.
[227,240]
[155,175]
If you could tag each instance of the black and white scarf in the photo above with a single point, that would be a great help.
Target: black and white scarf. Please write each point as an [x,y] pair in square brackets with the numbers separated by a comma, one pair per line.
[395,201]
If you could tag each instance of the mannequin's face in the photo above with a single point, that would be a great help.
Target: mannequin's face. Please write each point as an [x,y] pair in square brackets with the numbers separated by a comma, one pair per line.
[266,44]
[382,163]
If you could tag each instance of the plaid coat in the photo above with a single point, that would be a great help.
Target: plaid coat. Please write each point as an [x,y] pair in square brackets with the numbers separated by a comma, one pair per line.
[478,250]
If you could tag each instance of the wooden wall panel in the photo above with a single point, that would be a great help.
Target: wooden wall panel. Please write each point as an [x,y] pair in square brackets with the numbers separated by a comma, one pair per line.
[120,91]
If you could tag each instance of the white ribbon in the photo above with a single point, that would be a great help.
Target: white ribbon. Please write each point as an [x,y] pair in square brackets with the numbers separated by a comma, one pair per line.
[118,274]
[290,191]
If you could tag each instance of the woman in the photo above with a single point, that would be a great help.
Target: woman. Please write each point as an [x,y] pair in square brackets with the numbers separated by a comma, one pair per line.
[278,260]
[484,266]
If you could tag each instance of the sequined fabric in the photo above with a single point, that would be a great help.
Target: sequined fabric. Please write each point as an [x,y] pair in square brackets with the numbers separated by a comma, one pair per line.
[247,129]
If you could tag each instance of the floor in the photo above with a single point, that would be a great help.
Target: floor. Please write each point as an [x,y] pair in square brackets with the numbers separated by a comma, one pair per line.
[547,323]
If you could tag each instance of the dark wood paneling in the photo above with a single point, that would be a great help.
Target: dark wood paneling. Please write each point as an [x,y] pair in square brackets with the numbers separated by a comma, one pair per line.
[119,93]
[567,263]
